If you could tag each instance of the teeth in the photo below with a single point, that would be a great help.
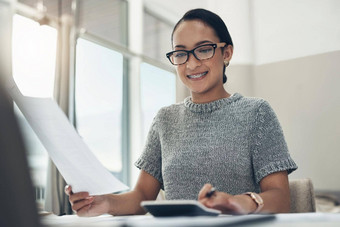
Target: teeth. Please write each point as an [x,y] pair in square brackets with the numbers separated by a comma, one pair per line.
[197,75]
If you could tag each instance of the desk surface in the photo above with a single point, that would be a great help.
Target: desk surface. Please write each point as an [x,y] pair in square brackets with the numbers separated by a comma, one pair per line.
[303,219]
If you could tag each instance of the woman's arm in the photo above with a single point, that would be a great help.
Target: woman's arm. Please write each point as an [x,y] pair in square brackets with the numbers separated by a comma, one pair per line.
[274,192]
[147,188]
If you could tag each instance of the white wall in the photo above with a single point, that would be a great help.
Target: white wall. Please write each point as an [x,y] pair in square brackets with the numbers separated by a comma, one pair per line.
[237,16]
[304,93]
[287,29]
[296,68]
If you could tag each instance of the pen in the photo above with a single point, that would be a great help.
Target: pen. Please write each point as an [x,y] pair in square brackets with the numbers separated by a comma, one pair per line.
[211,192]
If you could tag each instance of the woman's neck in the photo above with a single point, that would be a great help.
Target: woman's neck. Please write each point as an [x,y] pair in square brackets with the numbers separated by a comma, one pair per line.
[210,97]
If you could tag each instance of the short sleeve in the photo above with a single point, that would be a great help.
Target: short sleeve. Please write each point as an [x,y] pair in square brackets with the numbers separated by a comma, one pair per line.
[269,149]
[151,160]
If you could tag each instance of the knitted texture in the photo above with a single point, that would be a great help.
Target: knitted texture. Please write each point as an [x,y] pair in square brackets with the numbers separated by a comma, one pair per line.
[231,143]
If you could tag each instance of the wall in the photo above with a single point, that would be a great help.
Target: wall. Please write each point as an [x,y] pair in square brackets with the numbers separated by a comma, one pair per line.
[287,29]
[304,93]
[296,68]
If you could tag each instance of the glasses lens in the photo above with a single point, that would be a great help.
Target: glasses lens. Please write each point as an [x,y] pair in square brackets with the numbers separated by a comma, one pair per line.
[204,52]
[179,57]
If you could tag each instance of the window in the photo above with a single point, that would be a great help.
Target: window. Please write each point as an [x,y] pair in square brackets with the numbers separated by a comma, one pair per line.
[106,19]
[158,89]
[34,57]
[156,38]
[98,102]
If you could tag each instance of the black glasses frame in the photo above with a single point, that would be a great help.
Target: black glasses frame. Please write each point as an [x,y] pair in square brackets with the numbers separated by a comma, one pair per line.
[214,45]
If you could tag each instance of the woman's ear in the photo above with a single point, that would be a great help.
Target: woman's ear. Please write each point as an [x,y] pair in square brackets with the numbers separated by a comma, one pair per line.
[228,53]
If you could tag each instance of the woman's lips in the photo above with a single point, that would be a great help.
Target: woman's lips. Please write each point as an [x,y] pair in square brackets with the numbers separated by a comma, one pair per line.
[197,76]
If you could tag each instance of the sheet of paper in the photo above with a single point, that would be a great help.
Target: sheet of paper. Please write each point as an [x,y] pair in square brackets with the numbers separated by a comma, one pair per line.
[74,160]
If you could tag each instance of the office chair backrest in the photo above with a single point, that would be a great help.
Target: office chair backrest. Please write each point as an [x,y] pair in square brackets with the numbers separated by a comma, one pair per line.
[17,203]
[302,197]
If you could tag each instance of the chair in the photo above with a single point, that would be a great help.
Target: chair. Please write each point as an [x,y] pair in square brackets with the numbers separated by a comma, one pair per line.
[302,197]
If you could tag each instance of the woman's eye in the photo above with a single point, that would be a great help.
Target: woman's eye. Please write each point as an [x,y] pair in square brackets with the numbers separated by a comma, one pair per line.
[180,54]
[204,50]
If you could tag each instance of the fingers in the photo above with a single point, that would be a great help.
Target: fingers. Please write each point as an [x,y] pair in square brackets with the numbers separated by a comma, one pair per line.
[68,190]
[205,189]
[84,211]
[75,197]
[80,205]
[80,201]
[222,201]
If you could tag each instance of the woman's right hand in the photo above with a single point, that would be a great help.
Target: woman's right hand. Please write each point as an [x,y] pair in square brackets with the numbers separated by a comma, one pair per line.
[85,205]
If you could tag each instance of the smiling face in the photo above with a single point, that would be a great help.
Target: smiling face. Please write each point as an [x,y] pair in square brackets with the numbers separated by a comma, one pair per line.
[202,77]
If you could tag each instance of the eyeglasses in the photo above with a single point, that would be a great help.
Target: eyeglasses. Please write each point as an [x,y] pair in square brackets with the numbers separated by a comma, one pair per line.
[203,52]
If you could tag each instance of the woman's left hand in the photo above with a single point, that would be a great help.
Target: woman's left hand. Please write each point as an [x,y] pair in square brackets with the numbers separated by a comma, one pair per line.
[226,203]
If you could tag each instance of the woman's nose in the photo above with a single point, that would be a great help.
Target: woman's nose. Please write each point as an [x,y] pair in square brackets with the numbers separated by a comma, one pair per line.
[192,62]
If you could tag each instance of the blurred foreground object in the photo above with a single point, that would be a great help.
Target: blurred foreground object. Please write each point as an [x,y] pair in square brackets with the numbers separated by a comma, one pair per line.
[18,206]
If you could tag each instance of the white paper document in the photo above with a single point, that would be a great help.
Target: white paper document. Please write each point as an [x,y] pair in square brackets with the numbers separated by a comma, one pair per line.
[74,160]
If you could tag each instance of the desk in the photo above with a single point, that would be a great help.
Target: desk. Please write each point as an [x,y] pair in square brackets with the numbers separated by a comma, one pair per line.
[303,219]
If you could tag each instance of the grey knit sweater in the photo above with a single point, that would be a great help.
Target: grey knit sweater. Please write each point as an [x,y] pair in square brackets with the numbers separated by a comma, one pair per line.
[231,143]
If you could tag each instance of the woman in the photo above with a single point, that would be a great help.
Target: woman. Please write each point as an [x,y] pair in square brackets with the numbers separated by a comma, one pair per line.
[212,138]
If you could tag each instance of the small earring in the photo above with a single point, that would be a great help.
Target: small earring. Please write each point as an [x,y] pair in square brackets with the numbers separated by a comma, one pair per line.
[226,63]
